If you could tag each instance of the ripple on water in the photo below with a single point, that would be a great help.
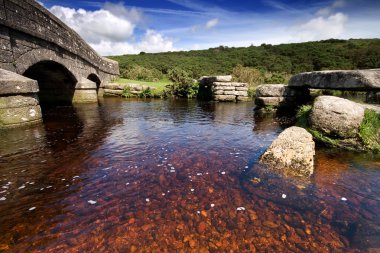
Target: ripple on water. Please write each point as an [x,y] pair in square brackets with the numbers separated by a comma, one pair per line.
[153,175]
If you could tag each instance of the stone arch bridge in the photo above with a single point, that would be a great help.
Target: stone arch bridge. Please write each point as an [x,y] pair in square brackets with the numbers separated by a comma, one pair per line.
[43,61]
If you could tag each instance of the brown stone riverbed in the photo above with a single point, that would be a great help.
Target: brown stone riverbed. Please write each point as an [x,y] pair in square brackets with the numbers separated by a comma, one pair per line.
[176,176]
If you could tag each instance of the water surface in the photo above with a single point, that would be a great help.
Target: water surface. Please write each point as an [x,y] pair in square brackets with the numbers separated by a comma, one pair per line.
[176,176]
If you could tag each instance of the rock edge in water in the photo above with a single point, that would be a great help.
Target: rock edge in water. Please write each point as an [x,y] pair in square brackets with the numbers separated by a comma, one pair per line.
[340,123]
[291,154]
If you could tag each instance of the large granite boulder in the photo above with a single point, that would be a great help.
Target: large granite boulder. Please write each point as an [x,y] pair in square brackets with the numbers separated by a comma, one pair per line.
[291,154]
[338,79]
[336,117]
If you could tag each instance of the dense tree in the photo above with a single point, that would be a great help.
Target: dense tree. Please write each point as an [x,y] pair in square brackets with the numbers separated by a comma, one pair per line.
[285,58]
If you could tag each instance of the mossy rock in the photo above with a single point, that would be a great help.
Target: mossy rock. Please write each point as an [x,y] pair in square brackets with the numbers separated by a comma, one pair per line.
[367,139]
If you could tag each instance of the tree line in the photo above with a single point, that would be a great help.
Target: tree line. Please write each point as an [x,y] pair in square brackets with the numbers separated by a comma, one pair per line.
[271,60]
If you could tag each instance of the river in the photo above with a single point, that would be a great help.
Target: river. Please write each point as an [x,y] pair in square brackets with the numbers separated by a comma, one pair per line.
[176,176]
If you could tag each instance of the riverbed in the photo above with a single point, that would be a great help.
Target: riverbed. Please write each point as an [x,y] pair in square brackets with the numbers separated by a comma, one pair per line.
[176,176]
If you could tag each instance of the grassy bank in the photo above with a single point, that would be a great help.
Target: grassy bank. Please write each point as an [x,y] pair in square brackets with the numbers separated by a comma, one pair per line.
[159,85]
[369,132]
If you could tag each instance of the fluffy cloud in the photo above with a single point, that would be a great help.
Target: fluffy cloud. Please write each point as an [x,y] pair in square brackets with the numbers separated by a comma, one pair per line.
[155,42]
[95,26]
[151,42]
[329,9]
[212,23]
[111,30]
[322,27]
[208,25]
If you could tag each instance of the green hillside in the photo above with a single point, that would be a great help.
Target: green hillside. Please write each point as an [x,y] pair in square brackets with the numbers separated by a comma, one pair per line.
[285,58]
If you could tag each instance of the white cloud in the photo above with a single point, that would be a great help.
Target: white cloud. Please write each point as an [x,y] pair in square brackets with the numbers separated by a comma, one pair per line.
[208,25]
[95,26]
[339,4]
[152,42]
[329,9]
[280,6]
[195,47]
[212,23]
[322,27]
[155,42]
[111,30]
[107,48]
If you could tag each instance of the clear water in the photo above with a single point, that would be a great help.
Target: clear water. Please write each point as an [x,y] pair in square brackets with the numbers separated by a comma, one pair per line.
[176,176]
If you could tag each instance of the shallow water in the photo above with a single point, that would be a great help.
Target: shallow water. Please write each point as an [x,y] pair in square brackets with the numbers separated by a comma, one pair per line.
[175,176]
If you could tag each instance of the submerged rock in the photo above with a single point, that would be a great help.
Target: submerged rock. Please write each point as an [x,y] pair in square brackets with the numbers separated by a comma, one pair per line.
[336,116]
[292,153]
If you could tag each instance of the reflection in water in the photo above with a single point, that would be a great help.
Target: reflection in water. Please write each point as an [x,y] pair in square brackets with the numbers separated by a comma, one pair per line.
[152,175]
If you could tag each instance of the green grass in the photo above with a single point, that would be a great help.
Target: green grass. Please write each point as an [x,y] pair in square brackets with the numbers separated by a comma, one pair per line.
[370,130]
[160,85]
[303,121]
[303,116]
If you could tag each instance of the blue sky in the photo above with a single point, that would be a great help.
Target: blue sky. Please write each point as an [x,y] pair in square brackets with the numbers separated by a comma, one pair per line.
[125,27]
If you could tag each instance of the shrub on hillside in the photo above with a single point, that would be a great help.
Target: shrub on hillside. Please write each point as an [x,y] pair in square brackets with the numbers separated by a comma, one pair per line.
[137,72]
[182,83]
[276,77]
[252,76]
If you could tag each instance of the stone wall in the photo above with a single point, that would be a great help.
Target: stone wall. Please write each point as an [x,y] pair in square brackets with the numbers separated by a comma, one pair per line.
[221,88]
[116,89]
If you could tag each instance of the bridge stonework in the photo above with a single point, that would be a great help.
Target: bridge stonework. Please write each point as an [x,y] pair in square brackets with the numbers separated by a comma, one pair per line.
[37,45]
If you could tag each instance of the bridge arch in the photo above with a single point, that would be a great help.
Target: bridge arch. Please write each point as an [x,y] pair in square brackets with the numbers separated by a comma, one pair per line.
[95,78]
[56,83]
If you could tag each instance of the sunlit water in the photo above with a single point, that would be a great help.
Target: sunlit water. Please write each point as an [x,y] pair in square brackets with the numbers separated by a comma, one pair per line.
[176,176]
